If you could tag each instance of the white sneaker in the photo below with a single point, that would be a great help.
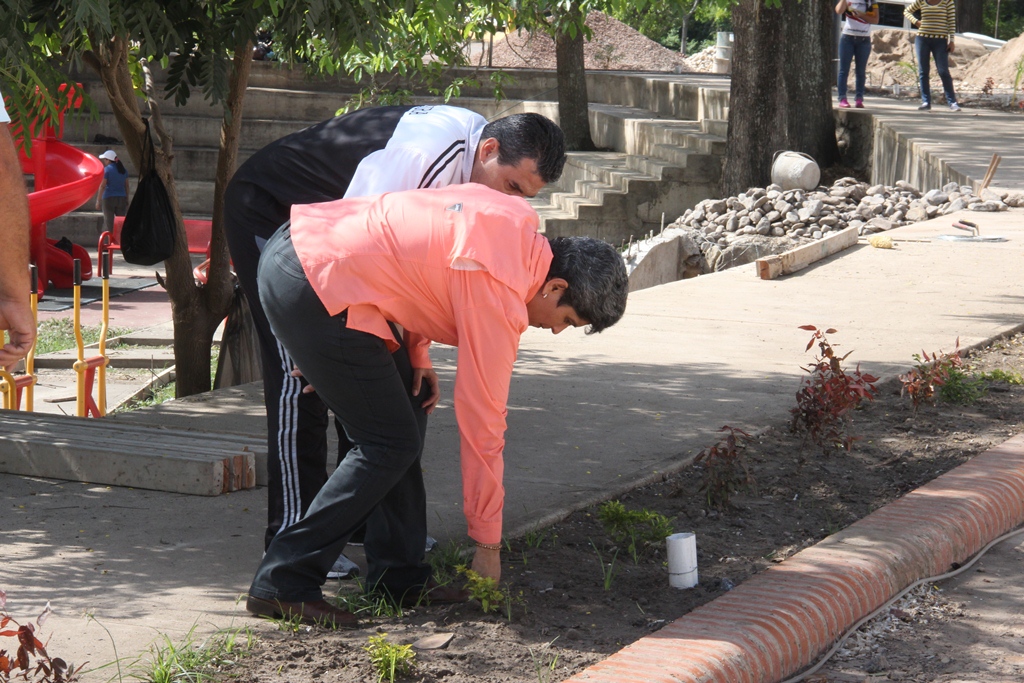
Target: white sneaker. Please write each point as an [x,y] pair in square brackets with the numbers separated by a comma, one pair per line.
[954,106]
[343,568]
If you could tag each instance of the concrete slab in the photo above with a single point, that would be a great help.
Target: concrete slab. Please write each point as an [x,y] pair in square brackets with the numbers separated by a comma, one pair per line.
[106,452]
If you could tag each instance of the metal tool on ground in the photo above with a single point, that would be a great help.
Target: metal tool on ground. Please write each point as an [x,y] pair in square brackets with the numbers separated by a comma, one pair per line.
[12,387]
[86,368]
[975,235]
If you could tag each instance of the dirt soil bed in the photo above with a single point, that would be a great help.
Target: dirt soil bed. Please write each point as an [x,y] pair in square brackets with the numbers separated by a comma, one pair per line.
[613,46]
[563,618]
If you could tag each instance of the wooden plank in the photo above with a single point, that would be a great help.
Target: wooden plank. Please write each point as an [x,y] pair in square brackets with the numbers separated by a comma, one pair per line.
[771,267]
[990,173]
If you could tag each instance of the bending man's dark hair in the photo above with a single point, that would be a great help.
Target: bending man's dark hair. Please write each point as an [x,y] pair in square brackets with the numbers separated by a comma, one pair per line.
[529,136]
[597,279]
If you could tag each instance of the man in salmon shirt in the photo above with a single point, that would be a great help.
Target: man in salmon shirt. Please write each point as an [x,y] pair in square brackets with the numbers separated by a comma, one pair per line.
[462,265]
[360,154]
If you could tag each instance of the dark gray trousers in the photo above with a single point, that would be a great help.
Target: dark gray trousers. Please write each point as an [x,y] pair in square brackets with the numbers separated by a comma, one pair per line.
[380,481]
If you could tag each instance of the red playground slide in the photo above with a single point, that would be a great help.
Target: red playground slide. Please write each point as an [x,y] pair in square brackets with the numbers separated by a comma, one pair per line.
[65,179]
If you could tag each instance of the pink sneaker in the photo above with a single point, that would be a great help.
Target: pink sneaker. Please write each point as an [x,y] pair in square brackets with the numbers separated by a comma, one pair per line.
[843,104]
[859,104]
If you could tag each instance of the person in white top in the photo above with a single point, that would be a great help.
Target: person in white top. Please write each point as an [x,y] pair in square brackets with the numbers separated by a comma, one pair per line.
[361,154]
[15,312]
[855,44]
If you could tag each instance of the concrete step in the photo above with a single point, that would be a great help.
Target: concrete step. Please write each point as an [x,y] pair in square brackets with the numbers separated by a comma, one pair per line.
[190,164]
[102,451]
[187,131]
[637,131]
[719,127]
[120,355]
[660,165]
[695,168]
[614,196]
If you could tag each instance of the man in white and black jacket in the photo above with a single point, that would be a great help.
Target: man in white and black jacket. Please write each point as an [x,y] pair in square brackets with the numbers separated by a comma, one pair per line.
[365,153]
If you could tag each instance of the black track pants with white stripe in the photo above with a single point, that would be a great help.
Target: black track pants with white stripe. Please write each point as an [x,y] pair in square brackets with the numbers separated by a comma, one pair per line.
[296,422]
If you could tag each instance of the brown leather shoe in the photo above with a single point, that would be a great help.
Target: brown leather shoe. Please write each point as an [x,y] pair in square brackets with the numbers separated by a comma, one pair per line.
[319,612]
[434,593]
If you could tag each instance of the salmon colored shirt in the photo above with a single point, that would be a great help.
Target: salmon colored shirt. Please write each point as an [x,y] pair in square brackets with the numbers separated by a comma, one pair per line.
[454,265]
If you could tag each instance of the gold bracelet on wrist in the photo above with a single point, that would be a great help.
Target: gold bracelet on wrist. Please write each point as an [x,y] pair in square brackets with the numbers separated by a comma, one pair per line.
[488,546]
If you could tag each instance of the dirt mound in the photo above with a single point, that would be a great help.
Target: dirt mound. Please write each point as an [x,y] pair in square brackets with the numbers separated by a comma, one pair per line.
[892,58]
[1000,66]
[613,46]
[703,61]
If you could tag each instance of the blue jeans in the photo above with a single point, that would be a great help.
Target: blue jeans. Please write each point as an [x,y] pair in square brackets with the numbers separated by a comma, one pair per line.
[853,48]
[939,47]
[380,481]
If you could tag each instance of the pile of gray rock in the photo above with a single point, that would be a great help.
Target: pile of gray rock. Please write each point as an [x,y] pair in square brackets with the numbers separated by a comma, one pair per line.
[722,233]
[775,212]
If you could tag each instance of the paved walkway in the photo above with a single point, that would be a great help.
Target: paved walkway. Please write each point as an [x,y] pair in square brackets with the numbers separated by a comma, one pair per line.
[589,416]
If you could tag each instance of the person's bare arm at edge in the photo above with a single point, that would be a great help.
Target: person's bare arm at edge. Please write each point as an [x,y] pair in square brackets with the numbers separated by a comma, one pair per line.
[15,311]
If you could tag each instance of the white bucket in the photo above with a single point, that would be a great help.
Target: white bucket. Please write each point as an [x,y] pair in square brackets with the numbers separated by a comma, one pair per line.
[682,560]
[723,52]
[795,171]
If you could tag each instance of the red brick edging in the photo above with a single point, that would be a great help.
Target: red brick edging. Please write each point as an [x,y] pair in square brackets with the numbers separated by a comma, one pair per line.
[778,622]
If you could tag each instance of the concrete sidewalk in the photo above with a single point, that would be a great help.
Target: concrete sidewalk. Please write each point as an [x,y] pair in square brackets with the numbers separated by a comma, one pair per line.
[589,416]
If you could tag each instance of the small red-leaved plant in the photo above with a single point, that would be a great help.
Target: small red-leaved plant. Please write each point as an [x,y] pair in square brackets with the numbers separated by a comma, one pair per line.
[828,394]
[19,664]
[725,468]
[930,373]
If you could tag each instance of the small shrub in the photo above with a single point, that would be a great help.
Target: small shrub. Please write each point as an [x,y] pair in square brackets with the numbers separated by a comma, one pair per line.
[390,660]
[1002,377]
[191,661]
[30,661]
[367,603]
[725,468]
[930,373]
[828,394]
[607,570]
[1018,79]
[545,670]
[445,560]
[484,590]
[961,388]
[641,528]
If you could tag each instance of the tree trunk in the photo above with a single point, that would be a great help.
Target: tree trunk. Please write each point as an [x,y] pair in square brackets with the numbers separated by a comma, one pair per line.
[199,310]
[757,118]
[196,311]
[809,48]
[573,110]
[780,99]
[970,16]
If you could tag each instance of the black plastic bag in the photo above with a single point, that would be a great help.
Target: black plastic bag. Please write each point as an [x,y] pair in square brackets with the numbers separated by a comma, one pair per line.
[240,361]
[147,236]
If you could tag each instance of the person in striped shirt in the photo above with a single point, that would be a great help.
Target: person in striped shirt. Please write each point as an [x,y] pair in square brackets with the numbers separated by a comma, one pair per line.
[935,31]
